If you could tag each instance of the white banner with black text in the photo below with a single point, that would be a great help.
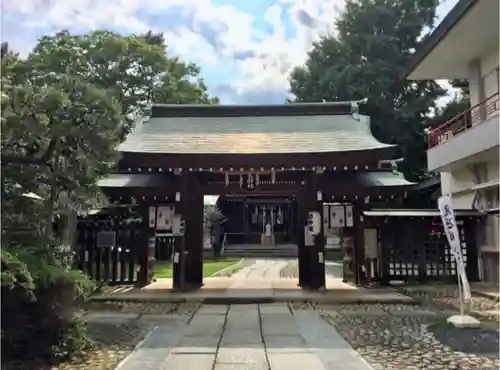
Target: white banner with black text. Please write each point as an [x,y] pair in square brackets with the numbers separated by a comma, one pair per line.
[451,229]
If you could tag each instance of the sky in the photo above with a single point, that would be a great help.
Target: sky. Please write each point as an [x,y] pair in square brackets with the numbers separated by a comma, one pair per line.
[246,48]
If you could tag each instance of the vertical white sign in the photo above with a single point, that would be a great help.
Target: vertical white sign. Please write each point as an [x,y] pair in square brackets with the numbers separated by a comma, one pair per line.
[152,216]
[337,216]
[349,217]
[450,227]
[164,217]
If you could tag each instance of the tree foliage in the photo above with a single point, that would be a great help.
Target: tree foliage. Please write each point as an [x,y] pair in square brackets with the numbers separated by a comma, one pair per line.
[374,43]
[134,70]
[64,109]
[459,103]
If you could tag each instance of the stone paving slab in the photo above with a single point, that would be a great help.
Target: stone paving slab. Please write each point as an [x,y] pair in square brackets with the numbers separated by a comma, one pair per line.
[212,310]
[286,344]
[201,340]
[329,346]
[288,361]
[153,351]
[241,367]
[189,362]
[251,356]
[197,349]
[280,308]
[280,329]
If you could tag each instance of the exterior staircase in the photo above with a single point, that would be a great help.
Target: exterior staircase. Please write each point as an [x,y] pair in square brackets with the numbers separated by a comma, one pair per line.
[261,251]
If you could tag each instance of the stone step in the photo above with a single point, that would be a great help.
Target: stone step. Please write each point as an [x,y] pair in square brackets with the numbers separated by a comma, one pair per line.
[242,250]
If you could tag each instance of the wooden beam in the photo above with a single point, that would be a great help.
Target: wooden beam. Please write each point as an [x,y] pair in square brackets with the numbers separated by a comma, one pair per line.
[276,160]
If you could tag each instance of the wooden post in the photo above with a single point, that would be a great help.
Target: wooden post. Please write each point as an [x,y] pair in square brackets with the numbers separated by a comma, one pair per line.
[317,257]
[194,242]
[191,208]
[359,245]
[246,221]
[301,219]
[146,234]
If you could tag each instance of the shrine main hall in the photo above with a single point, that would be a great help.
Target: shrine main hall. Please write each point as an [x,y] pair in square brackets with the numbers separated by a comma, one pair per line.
[318,157]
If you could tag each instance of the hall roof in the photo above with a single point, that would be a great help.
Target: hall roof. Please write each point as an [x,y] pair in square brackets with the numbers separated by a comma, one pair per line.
[251,129]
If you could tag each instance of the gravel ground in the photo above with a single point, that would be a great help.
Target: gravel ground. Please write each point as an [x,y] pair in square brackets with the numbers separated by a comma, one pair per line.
[395,337]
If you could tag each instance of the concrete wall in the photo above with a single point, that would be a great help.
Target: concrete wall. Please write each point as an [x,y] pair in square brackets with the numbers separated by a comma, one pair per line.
[489,70]
[458,183]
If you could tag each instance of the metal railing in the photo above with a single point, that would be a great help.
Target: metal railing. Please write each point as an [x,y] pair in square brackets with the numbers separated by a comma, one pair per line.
[472,117]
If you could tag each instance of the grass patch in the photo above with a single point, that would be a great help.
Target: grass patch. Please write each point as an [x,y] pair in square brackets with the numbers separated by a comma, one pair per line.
[163,270]
[440,325]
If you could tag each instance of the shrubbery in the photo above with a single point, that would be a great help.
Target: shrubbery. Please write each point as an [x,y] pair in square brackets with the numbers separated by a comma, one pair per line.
[38,305]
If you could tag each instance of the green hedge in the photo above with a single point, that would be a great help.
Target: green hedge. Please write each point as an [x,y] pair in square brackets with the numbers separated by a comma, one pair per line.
[39,300]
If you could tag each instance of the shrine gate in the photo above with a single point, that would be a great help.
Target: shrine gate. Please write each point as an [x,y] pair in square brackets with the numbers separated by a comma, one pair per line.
[321,154]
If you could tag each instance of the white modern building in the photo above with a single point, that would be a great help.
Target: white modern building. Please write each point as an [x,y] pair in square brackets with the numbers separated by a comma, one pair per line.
[465,149]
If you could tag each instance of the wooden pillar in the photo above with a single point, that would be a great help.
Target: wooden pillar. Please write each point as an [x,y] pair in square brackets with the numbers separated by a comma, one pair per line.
[147,233]
[317,258]
[191,209]
[359,244]
[311,258]
[245,220]
[302,251]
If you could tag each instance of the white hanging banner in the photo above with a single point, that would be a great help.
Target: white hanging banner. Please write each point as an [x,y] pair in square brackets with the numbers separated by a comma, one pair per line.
[337,217]
[450,227]
[349,217]
[152,216]
[164,218]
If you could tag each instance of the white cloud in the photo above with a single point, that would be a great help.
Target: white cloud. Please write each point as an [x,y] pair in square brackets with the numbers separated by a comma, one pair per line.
[276,55]
[211,35]
[272,55]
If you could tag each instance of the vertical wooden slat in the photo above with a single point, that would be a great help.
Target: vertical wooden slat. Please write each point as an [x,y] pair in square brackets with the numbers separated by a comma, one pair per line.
[114,258]
[359,244]
[142,246]
[131,240]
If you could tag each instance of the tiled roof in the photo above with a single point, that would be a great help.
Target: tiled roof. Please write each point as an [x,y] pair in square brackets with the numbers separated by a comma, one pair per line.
[252,135]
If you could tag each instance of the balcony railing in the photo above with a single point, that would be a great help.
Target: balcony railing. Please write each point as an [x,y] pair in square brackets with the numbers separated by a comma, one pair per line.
[472,117]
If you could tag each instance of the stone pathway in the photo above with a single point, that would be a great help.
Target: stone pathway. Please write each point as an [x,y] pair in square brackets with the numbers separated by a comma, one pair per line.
[261,268]
[246,337]
[334,270]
